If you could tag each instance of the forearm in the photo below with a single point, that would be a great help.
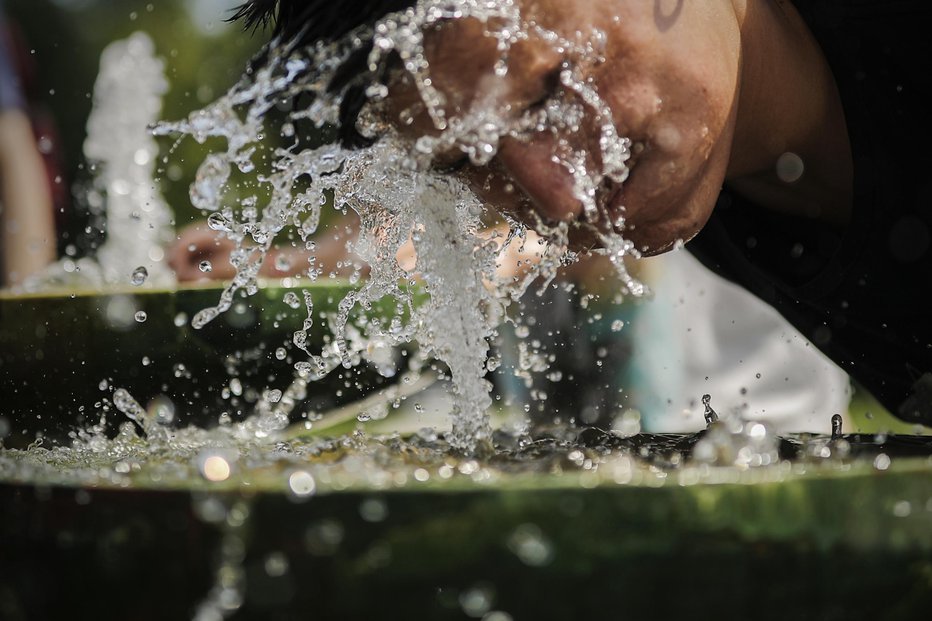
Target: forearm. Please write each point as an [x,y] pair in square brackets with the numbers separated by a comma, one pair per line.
[330,254]
[27,228]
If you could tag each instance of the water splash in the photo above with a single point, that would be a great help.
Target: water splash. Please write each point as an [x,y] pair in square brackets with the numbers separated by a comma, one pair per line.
[710,415]
[731,440]
[397,196]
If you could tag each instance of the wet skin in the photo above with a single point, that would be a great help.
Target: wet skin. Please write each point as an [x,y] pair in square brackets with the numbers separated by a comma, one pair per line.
[196,243]
[708,92]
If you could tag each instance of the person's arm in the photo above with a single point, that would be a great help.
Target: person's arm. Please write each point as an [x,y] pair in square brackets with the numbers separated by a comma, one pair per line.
[197,243]
[27,227]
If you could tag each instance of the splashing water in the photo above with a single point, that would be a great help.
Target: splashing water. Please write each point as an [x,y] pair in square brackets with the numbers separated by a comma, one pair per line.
[398,198]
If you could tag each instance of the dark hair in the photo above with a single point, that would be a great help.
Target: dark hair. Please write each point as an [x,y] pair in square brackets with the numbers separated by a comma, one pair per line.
[311,21]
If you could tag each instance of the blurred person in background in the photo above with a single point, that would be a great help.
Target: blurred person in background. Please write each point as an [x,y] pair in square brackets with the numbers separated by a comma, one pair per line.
[27,226]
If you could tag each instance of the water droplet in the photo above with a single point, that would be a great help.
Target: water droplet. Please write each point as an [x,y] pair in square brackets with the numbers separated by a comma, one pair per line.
[628,424]
[529,544]
[301,483]
[282,263]
[281,353]
[836,426]
[324,537]
[902,509]
[276,565]
[757,431]
[213,466]
[477,601]
[163,411]
[210,182]
[428,434]
[139,276]
[291,299]
[205,266]
[218,222]
[790,167]
[373,510]
[140,316]
[710,415]
[882,461]
[180,320]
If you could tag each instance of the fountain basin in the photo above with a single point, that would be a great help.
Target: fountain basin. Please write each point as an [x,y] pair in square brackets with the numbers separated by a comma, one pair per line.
[839,539]
[800,542]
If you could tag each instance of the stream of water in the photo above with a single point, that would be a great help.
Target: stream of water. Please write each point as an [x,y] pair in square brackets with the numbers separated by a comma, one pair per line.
[392,187]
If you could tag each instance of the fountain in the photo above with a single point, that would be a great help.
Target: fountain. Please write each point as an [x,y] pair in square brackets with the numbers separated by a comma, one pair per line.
[267,508]
[121,154]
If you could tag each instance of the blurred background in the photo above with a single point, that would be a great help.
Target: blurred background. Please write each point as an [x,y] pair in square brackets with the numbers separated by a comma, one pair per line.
[60,42]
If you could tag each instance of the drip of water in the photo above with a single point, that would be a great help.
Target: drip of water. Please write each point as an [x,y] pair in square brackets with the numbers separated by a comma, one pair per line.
[710,415]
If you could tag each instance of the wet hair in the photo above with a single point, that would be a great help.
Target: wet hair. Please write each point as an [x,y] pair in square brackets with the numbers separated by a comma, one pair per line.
[308,22]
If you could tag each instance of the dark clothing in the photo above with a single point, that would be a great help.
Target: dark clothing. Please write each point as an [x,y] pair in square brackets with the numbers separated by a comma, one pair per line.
[863,294]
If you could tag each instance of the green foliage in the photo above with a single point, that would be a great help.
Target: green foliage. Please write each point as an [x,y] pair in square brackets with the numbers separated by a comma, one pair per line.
[867,415]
